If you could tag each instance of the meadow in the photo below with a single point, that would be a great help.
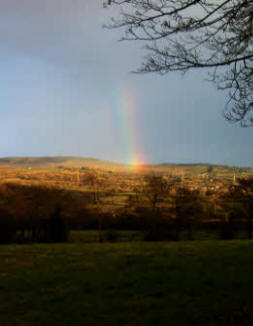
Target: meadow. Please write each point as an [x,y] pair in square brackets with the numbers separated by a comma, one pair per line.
[127,283]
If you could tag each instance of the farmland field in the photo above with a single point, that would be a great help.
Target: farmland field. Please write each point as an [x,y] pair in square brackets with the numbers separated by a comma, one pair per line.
[118,187]
[127,283]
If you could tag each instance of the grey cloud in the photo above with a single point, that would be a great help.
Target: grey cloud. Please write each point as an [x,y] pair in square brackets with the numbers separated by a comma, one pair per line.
[58,31]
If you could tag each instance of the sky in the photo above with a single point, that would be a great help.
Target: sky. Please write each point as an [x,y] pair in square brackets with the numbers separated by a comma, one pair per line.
[66,88]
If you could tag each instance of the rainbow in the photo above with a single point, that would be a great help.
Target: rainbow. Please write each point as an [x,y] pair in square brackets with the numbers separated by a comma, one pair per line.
[124,111]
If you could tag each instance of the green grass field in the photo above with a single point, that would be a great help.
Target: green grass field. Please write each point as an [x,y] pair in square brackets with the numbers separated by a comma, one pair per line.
[127,283]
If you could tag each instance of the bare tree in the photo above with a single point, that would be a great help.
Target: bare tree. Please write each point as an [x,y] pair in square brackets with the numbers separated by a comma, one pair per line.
[187,209]
[156,189]
[97,183]
[181,35]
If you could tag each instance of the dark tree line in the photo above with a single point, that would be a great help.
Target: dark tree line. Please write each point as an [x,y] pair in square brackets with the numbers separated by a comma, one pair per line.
[32,214]
[33,229]
[165,209]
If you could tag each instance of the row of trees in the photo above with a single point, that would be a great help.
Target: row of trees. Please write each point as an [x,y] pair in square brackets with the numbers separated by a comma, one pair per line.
[162,207]
[33,214]
[33,228]
[183,209]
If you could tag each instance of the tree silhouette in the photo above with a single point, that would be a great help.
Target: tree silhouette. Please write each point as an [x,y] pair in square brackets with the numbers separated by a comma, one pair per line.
[187,209]
[156,189]
[181,35]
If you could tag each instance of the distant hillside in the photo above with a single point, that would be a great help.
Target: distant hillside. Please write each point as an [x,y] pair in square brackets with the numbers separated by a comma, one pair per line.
[195,167]
[56,161]
[71,161]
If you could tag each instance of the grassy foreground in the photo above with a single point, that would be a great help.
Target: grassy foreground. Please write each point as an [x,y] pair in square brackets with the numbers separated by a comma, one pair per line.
[133,283]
